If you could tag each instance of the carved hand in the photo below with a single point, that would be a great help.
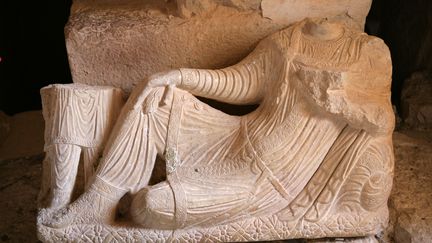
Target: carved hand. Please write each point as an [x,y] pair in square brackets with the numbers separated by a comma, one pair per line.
[150,98]
[168,78]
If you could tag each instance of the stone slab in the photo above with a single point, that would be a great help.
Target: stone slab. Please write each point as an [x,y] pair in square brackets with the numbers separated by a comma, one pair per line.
[120,43]
[411,198]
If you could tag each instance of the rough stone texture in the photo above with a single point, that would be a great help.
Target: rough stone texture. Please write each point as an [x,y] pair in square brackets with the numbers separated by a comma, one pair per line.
[25,137]
[411,199]
[19,186]
[189,8]
[121,47]
[120,43]
[416,100]
[314,160]
[290,11]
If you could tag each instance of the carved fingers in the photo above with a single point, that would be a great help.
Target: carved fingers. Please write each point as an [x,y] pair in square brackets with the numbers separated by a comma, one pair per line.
[157,97]
[172,77]
[158,90]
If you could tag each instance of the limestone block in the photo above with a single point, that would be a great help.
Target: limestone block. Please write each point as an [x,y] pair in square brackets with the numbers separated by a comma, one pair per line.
[189,8]
[411,196]
[289,11]
[416,100]
[314,160]
[121,43]
[242,4]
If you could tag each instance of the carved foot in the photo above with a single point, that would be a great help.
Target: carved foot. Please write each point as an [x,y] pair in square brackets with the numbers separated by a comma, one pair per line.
[96,206]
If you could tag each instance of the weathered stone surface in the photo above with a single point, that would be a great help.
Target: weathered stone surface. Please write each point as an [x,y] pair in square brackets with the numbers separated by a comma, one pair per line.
[78,119]
[120,47]
[120,43]
[25,136]
[19,186]
[21,180]
[416,100]
[290,11]
[189,8]
[314,160]
[411,197]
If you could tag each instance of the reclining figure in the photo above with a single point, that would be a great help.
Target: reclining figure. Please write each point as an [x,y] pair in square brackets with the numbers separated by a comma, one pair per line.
[315,159]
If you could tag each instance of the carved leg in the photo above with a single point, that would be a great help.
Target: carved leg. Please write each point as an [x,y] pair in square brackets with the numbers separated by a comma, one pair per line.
[64,160]
[126,165]
[96,206]
[90,159]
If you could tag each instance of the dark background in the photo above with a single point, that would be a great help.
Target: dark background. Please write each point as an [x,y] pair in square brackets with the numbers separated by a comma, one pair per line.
[33,52]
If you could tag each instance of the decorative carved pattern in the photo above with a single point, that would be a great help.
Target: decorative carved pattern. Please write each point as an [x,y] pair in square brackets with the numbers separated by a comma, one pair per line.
[253,229]
[313,160]
[78,119]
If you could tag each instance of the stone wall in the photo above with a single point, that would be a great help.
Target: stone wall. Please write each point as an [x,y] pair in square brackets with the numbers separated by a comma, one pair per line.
[120,43]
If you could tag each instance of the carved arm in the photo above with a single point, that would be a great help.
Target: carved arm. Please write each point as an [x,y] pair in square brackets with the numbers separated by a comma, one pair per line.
[242,83]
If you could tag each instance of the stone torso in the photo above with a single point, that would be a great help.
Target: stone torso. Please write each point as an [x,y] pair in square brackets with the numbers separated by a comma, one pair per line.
[286,110]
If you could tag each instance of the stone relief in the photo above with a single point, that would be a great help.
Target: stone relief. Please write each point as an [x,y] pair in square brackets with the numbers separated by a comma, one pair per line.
[78,119]
[314,160]
[119,42]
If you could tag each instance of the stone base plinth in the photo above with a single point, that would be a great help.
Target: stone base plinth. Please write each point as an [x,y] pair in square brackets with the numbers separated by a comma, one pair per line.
[251,229]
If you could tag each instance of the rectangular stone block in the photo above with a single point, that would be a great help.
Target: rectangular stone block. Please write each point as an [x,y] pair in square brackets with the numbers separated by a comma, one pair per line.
[120,43]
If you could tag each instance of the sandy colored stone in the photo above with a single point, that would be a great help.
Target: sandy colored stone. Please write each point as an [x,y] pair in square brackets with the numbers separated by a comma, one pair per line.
[25,136]
[189,8]
[411,198]
[416,100]
[120,43]
[121,47]
[21,180]
[289,11]
[313,160]
[78,120]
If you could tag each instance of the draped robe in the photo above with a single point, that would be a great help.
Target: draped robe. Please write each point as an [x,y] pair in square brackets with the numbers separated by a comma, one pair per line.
[223,168]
